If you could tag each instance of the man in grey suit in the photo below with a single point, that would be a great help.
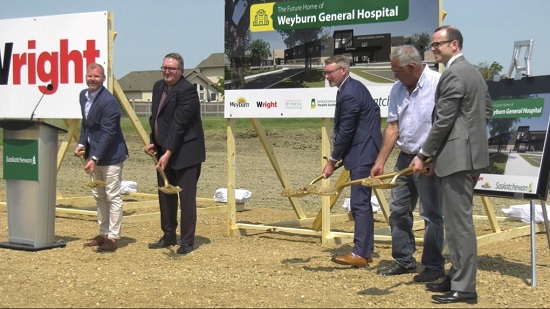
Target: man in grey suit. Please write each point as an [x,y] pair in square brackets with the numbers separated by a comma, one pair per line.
[357,140]
[458,143]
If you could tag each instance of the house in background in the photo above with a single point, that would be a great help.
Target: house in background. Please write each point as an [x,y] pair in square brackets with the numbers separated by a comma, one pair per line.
[138,86]
[213,67]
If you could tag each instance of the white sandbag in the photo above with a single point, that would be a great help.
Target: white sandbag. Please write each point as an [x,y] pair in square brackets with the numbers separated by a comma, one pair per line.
[373,201]
[523,212]
[241,195]
[127,187]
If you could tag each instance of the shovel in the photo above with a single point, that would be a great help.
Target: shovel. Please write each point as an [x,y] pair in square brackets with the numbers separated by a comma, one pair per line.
[373,182]
[291,192]
[168,188]
[94,183]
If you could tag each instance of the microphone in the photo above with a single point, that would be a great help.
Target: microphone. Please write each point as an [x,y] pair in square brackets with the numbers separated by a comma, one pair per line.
[49,87]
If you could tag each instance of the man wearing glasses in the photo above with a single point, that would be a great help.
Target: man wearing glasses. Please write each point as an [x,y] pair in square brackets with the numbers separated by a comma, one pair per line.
[177,137]
[458,143]
[356,141]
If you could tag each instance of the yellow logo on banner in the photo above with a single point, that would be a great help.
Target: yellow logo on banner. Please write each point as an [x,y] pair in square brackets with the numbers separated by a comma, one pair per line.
[260,17]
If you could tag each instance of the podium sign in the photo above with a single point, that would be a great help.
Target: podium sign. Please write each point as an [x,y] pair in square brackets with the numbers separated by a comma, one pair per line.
[20,159]
[30,158]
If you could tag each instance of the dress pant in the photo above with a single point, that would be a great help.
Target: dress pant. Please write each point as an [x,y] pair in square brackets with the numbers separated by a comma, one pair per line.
[361,210]
[187,179]
[109,200]
[458,193]
[402,204]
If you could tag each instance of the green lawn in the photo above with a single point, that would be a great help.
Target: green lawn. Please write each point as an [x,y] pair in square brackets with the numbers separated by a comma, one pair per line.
[214,124]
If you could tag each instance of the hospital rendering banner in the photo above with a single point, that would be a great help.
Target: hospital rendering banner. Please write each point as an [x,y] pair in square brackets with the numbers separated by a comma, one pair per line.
[518,141]
[276,51]
[44,59]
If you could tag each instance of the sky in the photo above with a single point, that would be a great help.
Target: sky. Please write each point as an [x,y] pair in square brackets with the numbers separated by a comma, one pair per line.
[147,30]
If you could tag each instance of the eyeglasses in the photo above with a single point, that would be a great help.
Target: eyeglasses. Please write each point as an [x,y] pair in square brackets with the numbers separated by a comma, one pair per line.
[437,45]
[168,69]
[329,73]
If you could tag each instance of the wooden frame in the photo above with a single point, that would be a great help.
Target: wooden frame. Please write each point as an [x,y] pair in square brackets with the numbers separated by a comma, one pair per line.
[320,226]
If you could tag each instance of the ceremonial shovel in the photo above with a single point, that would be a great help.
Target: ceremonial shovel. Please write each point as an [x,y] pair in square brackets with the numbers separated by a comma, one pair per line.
[94,183]
[168,188]
[373,182]
[291,192]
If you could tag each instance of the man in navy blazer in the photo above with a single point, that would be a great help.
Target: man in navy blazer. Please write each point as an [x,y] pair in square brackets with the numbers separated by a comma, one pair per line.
[177,137]
[356,141]
[458,143]
[103,143]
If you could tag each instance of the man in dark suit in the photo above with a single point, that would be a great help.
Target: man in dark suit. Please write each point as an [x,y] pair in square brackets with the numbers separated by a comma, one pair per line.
[177,137]
[102,141]
[458,142]
[357,139]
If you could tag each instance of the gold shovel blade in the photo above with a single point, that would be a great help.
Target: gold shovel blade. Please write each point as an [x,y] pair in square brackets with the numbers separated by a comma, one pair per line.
[96,184]
[169,189]
[290,192]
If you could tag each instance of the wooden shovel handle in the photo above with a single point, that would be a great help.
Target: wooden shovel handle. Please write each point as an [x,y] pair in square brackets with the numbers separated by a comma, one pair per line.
[161,171]
[336,166]
[81,156]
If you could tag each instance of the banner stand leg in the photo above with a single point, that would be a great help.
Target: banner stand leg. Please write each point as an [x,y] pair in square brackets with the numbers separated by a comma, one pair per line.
[533,246]
[546,224]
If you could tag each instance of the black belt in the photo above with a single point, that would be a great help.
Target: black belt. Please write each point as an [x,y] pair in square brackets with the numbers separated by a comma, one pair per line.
[409,155]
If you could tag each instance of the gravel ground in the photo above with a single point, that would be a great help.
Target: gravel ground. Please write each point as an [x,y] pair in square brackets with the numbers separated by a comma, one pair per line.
[263,270]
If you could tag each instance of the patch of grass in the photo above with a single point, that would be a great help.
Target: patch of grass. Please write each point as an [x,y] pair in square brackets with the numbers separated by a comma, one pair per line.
[498,165]
[219,124]
[528,158]
[306,79]
[212,123]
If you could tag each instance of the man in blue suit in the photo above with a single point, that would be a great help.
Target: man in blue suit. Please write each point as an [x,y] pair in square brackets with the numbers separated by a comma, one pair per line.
[357,140]
[104,145]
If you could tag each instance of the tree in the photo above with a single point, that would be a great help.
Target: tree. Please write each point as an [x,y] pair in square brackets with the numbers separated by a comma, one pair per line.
[503,127]
[421,41]
[236,34]
[489,71]
[220,85]
[258,50]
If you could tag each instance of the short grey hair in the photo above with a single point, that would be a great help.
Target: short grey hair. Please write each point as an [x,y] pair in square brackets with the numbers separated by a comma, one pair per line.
[341,60]
[406,54]
[177,57]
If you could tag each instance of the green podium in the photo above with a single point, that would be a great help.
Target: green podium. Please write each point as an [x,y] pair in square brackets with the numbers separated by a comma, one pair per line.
[30,170]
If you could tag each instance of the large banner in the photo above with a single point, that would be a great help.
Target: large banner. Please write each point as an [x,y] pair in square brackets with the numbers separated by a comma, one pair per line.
[276,51]
[518,139]
[44,59]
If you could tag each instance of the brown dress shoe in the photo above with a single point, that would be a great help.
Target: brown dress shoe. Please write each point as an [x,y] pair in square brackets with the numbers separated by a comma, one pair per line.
[352,260]
[99,240]
[110,245]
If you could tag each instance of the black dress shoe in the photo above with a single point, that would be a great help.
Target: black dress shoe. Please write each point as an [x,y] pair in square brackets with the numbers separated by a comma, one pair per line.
[162,243]
[443,286]
[456,297]
[396,269]
[429,275]
[184,249]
